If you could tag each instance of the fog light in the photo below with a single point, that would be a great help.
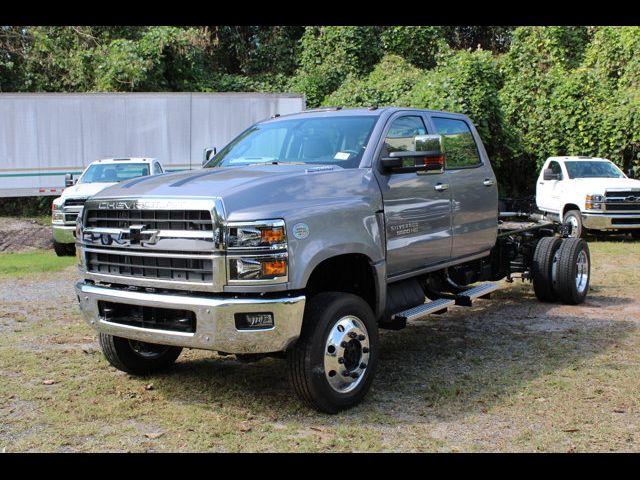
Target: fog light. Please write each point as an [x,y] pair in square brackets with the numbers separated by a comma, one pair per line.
[254,321]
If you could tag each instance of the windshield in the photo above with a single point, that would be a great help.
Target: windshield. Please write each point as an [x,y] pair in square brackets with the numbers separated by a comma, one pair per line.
[114,172]
[325,140]
[593,169]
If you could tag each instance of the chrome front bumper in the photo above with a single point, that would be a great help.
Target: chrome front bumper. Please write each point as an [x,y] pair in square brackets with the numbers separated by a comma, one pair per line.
[215,322]
[605,221]
[64,233]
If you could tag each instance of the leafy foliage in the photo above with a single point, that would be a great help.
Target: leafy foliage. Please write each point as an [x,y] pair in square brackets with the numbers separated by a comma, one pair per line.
[531,91]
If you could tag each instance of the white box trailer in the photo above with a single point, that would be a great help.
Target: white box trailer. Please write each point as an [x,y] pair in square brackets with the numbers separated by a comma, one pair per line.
[44,136]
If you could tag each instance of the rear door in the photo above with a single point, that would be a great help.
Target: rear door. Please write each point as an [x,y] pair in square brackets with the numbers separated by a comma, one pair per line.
[473,184]
[417,208]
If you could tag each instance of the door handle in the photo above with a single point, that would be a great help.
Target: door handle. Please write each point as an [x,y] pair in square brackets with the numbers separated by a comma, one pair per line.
[441,187]
[488,182]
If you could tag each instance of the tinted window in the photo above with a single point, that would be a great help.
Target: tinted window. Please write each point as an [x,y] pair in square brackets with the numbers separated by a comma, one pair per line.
[114,172]
[592,169]
[459,146]
[401,133]
[156,168]
[338,140]
[556,168]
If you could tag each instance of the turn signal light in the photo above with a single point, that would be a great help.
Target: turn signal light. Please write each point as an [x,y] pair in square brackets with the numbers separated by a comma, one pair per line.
[276,268]
[272,235]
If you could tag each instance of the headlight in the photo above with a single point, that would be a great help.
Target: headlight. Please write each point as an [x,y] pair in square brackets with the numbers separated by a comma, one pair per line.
[254,240]
[593,202]
[267,268]
[57,215]
[267,234]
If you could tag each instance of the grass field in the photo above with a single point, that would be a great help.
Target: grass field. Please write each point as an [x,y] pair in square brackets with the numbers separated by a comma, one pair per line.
[31,263]
[511,374]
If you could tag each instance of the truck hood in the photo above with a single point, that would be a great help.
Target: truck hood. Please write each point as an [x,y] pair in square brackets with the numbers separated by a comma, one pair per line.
[256,191]
[84,189]
[599,185]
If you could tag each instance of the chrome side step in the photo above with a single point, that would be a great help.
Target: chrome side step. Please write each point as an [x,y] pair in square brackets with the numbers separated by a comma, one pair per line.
[425,309]
[464,299]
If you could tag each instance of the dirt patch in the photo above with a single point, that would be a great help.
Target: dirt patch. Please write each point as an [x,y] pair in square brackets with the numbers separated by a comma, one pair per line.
[17,235]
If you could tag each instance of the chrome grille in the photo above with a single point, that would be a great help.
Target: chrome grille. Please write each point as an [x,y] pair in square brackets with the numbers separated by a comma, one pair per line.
[193,220]
[74,202]
[177,267]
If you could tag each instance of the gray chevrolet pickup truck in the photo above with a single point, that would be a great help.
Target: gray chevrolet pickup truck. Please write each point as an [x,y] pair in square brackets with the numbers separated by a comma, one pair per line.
[305,235]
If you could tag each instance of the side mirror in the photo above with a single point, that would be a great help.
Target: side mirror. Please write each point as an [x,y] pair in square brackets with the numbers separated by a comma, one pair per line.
[68,180]
[548,174]
[427,158]
[208,154]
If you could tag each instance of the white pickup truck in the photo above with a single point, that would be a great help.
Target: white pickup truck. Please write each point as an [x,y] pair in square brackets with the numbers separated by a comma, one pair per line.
[589,193]
[96,177]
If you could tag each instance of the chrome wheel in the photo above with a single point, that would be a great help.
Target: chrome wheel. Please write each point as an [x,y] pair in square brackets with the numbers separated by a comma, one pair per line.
[346,354]
[582,271]
[573,221]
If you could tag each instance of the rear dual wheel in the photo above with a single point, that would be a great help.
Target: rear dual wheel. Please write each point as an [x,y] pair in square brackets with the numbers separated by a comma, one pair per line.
[561,270]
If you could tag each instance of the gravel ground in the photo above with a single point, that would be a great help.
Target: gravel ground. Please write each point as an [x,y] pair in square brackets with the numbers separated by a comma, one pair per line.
[511,374]
[18,235]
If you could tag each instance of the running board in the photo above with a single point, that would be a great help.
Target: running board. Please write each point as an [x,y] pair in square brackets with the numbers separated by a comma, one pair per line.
[464,299]
[425,309]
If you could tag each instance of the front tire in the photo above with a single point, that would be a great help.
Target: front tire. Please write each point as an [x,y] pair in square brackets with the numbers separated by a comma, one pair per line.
[137,358]
[574,218]
[572,271]
[63,249]
[333,363]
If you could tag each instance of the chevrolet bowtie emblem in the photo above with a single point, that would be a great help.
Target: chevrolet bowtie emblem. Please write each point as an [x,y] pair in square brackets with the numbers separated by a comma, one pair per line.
[137,235]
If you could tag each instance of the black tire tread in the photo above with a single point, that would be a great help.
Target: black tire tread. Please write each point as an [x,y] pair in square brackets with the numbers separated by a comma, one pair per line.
[565,278]
[541,268]
[118,353]
[299,356]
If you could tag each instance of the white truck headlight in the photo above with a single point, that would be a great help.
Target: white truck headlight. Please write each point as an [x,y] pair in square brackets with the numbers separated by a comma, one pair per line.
[57,215]
[594,202]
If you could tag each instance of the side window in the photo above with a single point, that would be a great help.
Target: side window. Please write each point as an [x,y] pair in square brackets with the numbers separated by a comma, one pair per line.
[157,169]
[556,168]
[459,145]
[400,134]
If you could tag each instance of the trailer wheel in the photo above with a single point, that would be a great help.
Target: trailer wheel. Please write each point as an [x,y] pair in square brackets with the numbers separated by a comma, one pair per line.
[574,219]
[333,363]
[64,250]
[137,358]
[572,270]
[541,268]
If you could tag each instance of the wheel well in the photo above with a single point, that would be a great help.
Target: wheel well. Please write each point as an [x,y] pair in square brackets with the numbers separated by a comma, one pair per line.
[351,273]
[569,206]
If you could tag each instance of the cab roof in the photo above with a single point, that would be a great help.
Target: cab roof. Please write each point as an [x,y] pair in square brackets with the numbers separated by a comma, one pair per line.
[373,111]
[580,157]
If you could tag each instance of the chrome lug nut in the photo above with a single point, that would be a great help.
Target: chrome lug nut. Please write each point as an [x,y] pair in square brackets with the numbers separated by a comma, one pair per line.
[344,344]
[361,337]
[345,374]
[340,360]
[353,334]
[363,365]
[365,350]
[354,375]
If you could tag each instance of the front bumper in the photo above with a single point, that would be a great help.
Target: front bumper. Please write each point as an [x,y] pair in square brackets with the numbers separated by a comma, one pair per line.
[64,233]
[606,221]
[215,322]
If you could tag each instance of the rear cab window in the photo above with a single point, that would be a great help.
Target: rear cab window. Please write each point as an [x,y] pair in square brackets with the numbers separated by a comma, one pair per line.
[460,147]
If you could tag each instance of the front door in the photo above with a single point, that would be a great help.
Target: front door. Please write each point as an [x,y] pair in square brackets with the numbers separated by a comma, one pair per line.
[548,192]
[417,206]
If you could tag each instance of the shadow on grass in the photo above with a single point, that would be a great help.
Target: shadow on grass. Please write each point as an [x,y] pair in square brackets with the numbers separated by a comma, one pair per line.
[445,366]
